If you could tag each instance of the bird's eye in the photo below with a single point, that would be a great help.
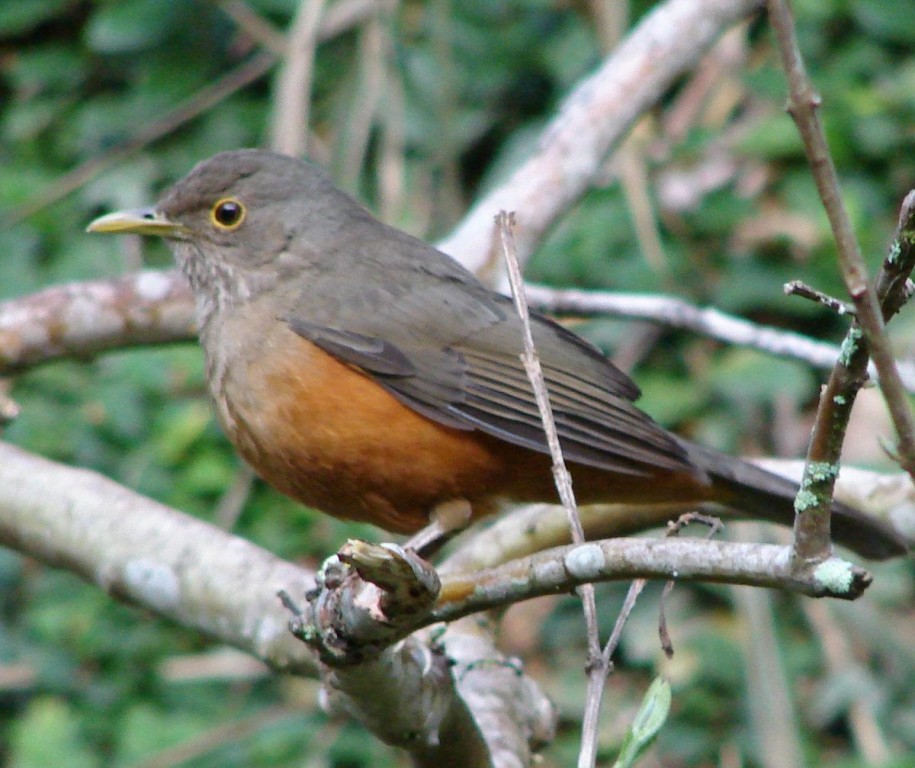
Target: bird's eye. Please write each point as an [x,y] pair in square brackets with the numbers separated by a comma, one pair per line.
[228,213]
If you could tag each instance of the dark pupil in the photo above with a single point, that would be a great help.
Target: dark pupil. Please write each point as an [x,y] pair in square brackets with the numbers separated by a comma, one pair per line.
[228,213]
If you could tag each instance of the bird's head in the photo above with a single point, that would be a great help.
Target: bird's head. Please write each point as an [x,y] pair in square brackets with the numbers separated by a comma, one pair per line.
[240,222]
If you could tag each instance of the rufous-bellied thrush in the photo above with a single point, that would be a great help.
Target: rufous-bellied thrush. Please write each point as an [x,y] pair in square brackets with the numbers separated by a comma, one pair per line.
[367,374]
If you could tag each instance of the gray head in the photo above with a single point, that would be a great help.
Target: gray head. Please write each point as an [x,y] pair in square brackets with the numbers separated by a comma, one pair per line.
[231,220]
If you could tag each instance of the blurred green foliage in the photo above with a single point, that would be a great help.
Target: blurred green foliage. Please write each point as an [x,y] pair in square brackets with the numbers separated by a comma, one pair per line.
[466,87]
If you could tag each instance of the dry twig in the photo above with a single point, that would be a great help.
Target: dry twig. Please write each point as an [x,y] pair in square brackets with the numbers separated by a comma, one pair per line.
[598,667]
[867,335]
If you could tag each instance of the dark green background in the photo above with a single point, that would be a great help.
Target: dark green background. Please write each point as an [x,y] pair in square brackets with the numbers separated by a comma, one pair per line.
[469,84]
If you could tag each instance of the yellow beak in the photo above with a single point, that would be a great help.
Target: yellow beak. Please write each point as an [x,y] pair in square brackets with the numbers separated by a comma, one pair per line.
[141,221]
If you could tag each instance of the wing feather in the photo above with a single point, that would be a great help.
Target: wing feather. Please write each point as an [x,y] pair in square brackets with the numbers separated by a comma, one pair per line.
[450,349]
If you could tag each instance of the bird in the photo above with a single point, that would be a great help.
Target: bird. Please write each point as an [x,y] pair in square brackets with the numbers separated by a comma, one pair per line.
[364,373]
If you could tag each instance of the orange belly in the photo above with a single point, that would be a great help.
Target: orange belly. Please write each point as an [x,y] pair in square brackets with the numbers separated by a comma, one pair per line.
[327,435]
[324,433]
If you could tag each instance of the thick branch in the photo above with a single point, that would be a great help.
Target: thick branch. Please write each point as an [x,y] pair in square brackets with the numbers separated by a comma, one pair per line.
[82,320]
[141,551]
[592,120]
[451,701]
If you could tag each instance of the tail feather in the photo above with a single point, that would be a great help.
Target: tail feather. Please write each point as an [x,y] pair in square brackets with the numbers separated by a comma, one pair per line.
[761,494]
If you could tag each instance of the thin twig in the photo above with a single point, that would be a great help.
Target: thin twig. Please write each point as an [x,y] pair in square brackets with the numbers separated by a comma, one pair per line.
[633,175]
[813,505]
[230,505]
[708,321]
[596,668]
[673,529]
[800,288]
[255,26]
[803,103]
[391,163]
[356,130]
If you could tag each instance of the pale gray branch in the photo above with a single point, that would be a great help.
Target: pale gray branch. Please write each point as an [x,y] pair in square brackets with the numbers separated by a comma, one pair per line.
[455,701]
[81,320]
[147,553]
[591,121]
[557,570]
[84,319]
[708,321]
[888,497]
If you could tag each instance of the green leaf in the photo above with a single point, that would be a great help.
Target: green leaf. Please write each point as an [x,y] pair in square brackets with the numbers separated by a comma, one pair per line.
[647,723]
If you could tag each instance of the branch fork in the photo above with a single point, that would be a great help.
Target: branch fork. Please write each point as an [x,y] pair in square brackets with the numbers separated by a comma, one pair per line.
[367,597]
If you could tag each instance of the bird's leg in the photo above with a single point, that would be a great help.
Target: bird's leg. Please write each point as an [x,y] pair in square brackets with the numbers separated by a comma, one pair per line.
[445,521]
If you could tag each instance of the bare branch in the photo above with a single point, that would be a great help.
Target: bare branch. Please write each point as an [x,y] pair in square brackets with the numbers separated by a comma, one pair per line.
[800,288]
[598,664]
[890,498]
[759,565]
[82,320]
[293,93]
[255,26]
[139,550]
[593,119]
[711,322]
[867,336]
[153,307]
[454,701]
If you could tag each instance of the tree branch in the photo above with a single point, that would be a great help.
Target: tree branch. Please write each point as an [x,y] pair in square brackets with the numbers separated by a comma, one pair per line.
[292,97]
[82,320]
[708,321]
[147,553]
[592,120]
[537,527]
[812,541]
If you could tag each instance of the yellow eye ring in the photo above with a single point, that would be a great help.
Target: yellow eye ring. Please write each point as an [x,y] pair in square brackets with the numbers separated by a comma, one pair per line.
[228,213]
